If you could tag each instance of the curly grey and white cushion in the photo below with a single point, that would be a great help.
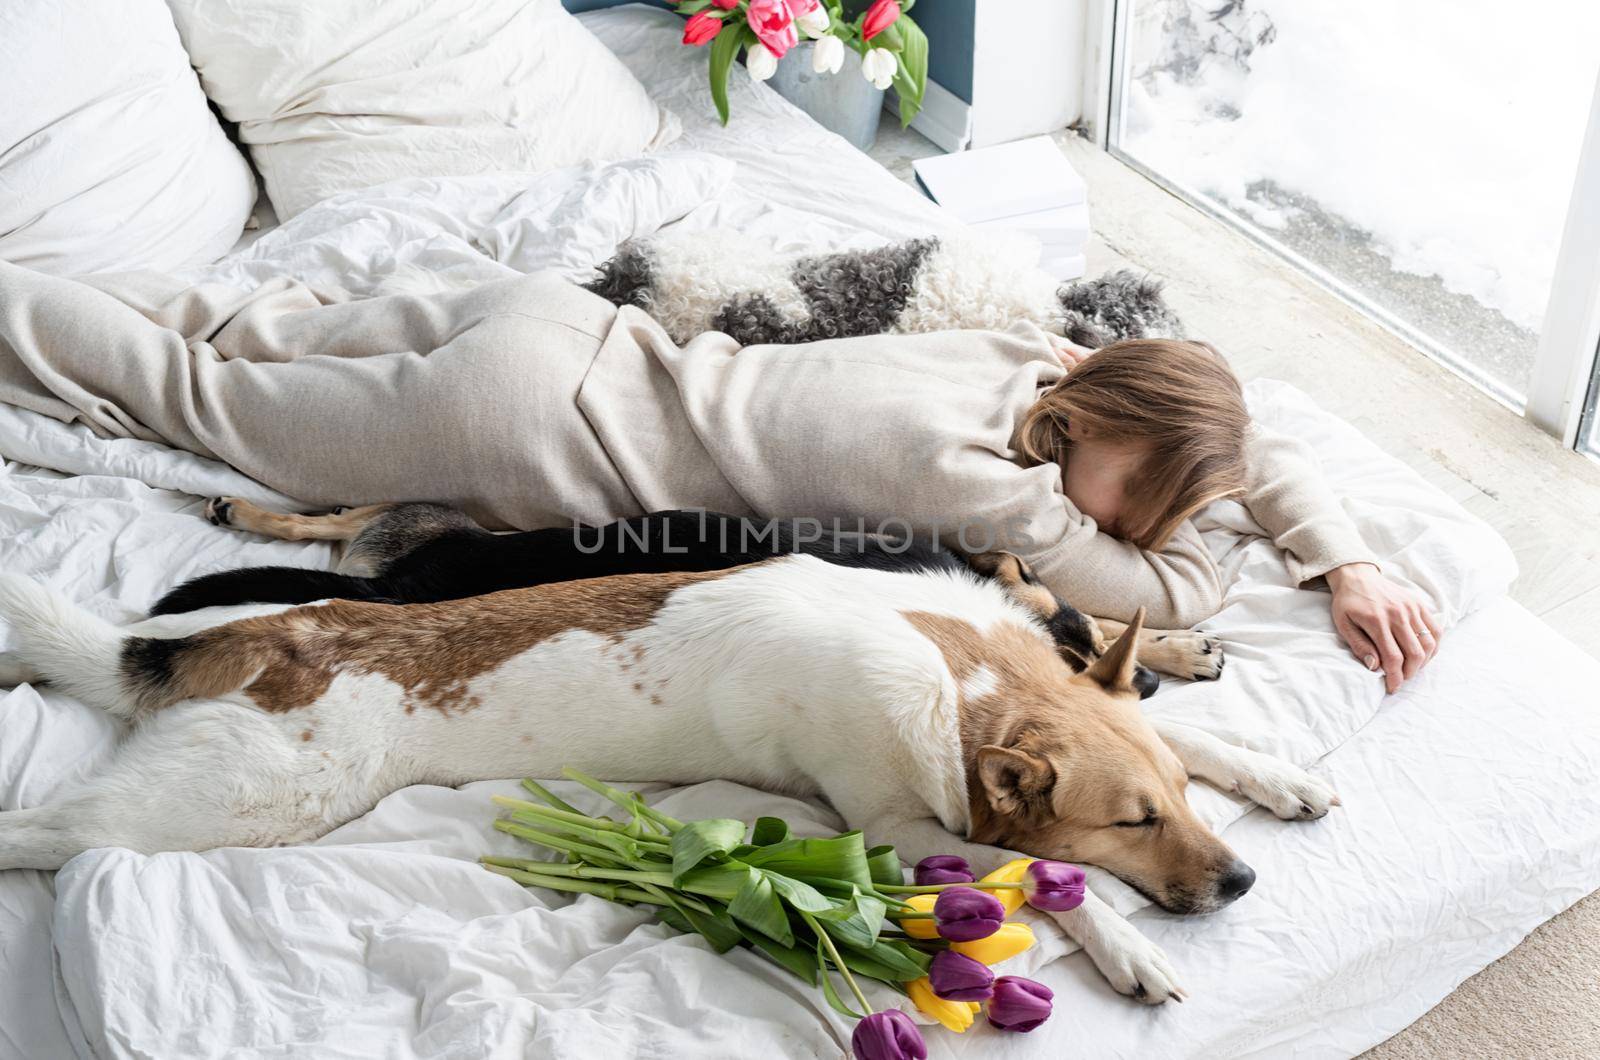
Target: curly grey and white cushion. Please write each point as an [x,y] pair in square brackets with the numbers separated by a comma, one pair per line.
[693,282]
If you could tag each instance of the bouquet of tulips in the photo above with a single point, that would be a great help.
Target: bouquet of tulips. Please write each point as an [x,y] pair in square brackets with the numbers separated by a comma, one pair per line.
[893,49]
[818,907]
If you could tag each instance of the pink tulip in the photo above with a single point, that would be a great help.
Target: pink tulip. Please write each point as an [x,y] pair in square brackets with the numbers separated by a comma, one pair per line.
[726,5]
[880,16]
[773,22]
[803,7]
[700,29]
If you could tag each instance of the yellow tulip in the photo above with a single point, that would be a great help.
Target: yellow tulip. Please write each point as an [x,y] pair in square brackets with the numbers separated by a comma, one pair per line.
[957,1015]
[1011,872]
[1010,940]
[919,928]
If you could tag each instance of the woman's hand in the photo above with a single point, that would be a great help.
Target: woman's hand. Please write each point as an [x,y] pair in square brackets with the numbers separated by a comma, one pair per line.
[1070,352]
[1384,623]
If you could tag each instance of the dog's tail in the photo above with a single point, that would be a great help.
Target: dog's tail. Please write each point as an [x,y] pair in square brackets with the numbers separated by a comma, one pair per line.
[76,651]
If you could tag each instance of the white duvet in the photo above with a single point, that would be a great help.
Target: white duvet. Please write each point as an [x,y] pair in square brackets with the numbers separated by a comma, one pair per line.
[1470,811]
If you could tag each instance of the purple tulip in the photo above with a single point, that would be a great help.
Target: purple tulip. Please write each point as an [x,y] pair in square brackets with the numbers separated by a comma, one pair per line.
[1019,1004]
[957,977]
[888,1035]
[963,914]
[1053,886]
[943,868]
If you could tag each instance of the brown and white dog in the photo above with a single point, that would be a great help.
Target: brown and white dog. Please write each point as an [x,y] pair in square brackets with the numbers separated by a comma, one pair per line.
[924,705]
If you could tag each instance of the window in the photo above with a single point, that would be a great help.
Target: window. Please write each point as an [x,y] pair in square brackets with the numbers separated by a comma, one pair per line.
[1589,426]
[1419,158]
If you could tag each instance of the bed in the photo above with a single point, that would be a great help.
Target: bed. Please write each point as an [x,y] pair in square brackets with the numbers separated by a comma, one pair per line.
[1470,812]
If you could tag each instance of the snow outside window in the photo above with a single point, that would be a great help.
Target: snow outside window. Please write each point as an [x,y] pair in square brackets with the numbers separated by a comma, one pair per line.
[1419,155]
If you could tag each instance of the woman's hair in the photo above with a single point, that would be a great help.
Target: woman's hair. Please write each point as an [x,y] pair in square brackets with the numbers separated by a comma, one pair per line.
[1178,400]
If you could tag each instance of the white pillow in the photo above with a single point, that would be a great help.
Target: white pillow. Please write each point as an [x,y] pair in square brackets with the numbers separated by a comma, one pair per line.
[109,157]
[335,95]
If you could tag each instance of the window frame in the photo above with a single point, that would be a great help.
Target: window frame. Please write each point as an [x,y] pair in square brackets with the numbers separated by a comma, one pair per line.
[1565,385]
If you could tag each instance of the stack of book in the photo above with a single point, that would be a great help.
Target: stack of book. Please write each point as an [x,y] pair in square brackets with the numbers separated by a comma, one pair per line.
[1027,186]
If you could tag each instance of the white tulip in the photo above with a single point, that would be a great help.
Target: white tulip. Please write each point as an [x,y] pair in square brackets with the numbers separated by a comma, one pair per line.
[814,23]
[827,55]
[761,63]
[879,66]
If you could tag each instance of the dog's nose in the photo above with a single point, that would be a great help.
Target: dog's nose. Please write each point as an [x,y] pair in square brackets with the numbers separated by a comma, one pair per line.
[1236,882]
[1145,682]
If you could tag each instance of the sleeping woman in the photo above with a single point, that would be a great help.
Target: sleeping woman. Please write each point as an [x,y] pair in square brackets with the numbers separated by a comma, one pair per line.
[533,402]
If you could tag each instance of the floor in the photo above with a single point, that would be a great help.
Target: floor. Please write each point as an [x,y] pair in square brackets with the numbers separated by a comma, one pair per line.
[1545,501]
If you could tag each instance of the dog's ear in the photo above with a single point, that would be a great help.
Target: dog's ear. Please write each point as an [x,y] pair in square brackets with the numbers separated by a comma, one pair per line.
[1114,670]
[1015,782]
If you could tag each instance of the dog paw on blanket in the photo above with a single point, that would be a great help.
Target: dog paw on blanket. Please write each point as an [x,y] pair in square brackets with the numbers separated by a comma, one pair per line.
[693,282]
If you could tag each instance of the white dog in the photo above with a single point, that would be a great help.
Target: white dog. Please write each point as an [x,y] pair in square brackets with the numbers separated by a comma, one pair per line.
[920,704]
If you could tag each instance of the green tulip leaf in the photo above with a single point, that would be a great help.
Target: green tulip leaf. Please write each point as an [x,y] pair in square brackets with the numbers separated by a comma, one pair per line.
[889,39]
[864,923]
[716,927]
[698,841]
[843,857]
[769,830]
[724,47]
[796,960]
[758,906]
[801,895]
[890,962]
[674,919]
[884,866]
[911,76]
[715,881]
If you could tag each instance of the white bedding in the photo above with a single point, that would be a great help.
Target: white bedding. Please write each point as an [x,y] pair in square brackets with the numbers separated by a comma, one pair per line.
[1470,810]
[109,157]
[333,97]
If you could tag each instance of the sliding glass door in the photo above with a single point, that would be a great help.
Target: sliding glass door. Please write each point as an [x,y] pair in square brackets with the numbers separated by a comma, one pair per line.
[1419,158]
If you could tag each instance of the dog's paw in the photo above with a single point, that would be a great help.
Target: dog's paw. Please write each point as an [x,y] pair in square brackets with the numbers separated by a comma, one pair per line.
[1132,964]
[219,511]
[1284,788]
[1097,636]
[1187,653]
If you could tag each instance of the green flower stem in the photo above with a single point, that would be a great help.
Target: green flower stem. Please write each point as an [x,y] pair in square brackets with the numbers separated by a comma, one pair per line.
[650,822]
[897,915]
[604,890]
[935,888]
[549,796]
[555,842]
[581,872]
[622,846]
[838,961]
[573,820]
[683,899]
[631,803]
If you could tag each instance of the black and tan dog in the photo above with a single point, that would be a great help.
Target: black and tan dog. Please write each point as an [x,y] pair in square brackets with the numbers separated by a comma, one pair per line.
[423,553]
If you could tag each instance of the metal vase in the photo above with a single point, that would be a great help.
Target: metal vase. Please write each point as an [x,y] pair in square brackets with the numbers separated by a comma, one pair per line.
[845,103]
